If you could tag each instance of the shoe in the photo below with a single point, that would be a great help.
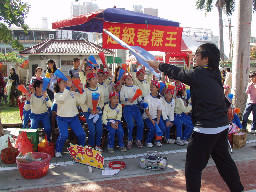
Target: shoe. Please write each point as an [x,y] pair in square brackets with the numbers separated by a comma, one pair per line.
[98,148]
[158,144]
[253,131]
[129,145]
[58,154]
[179,142]
[149,145]
[139,144]
[123,149]
[185,142]
[110,150]
[170,141]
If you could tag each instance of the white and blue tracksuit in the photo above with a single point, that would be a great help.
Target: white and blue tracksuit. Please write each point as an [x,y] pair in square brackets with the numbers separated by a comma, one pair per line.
[67,116]
[39,112]
[154,105]
[94,122]
[168,115]
[132,111]
[112,115]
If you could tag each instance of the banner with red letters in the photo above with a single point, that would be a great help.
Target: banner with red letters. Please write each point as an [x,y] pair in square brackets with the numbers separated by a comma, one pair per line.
[149,37]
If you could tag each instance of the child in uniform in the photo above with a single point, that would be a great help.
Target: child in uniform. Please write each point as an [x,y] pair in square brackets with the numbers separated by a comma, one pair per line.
[152,114]
[93,118]
[143,84]
[180,120]
[168,105]
[131,110]
[112,119]
[39,103]
[67,113]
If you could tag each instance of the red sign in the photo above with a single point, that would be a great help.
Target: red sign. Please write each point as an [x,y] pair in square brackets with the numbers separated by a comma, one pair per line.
[149,37]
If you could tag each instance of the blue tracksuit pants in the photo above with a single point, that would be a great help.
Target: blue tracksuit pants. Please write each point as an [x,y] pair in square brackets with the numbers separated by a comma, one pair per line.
[152,129]
[26,117]
[111,135]
[95,130]
[167,132]
[178,123]
[44,118]
[63,124]
[133,112]
[187,122]
[183,119]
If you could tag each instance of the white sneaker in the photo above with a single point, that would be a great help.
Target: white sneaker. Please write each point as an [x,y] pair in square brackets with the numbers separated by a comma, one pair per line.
[58,154]
[158,144]
[253,131]
[185,142]
[179,142]
[149,145]
[170,141]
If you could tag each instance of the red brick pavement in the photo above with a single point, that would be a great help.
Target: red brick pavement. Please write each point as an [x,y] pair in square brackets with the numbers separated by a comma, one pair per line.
[172,181]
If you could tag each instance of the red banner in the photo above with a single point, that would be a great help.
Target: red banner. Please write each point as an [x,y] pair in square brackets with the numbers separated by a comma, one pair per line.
[149,37]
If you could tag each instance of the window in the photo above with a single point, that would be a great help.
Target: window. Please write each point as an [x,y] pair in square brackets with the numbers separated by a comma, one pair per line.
[66,62]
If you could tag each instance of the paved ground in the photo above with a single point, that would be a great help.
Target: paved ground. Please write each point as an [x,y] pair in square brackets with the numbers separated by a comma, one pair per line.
[65,175]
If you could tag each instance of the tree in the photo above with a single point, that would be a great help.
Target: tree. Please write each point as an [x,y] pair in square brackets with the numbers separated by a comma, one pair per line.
[241,58]
[12,12]
[227,5]
[253,52]
[11,57]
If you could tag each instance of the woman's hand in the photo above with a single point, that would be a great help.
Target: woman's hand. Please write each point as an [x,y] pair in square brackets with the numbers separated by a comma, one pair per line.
[154,65]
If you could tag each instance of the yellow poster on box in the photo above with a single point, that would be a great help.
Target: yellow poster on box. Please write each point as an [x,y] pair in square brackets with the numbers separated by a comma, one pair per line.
[86,155]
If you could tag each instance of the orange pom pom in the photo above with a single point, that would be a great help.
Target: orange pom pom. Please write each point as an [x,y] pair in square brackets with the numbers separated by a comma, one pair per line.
[237,110]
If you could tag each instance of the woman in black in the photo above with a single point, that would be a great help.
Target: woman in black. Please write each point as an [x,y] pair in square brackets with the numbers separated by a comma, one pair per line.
[14,78]
[209,116]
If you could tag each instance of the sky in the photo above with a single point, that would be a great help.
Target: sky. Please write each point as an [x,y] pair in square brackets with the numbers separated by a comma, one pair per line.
[182,11]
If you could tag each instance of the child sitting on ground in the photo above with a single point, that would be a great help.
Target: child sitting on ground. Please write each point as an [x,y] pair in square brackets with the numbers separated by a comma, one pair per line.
[112,119]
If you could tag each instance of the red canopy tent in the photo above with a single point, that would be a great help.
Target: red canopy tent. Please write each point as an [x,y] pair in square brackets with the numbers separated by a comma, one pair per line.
[136,29]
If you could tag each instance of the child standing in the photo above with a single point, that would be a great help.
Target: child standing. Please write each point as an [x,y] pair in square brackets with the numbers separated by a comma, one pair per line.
[93,118]
[131,110]
[39,103]
[168,105]
[141,82]
[66,102]
[152,114]
[112,119]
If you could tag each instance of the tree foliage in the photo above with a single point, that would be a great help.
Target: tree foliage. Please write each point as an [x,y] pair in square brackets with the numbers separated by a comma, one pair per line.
[253,52]
[12,12]
[11,57]
[207,5]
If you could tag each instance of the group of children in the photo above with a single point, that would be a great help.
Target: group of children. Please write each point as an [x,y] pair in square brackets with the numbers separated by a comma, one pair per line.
[159,106]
